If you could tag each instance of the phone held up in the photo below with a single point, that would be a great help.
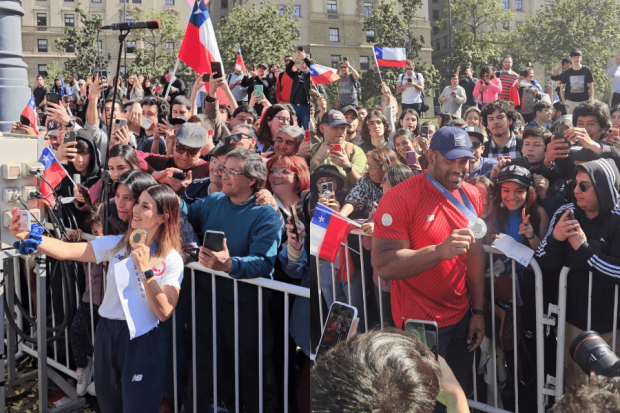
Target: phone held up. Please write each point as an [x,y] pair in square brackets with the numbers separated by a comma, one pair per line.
[425,331]
[213,240]
[337,327]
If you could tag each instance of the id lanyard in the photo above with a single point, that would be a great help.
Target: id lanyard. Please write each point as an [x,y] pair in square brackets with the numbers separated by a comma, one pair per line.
[466,209]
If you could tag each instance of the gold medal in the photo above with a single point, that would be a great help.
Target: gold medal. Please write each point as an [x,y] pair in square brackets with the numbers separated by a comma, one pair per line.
[137,237]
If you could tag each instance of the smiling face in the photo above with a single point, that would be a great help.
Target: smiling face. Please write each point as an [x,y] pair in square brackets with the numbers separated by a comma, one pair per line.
[282,179]
[507,64]
[285,145]
[280,119]
[487,200]
[513,195]
[123,199]
[375,172]
[145,215]
[590,124]
[215,166]
[448,172]
[403,145]
[117,165]
[473,119]
[615,119]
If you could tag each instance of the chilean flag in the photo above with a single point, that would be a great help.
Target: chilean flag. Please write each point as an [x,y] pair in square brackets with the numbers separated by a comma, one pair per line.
[240,65]
[54,173]
[30,113]
[199,46]
[385,56]
[322,75]
[327,231]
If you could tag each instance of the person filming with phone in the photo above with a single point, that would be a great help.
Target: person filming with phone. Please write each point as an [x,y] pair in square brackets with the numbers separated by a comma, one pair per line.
[427,241]
[242,240]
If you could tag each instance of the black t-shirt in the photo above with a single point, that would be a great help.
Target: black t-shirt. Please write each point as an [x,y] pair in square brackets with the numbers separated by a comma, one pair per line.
[578,81]
[39,95]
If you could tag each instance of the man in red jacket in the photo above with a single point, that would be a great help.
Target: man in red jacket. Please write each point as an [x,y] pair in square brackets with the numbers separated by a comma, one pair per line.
[284,84]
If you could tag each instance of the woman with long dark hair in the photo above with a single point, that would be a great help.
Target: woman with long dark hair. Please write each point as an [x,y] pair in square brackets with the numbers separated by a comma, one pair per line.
[376,132]
[144,278]
[488,87]
[275,117]
[122,158]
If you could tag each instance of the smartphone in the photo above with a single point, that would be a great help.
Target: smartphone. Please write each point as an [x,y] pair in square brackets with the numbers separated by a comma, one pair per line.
[70,137]
[213,240]
[411,157]
[337,327]
[146,123]
[290,208]
[522,73]
[206,77]
[307,136]
[120,122]
[327,189]
[70,98]
[524,162]
[335,148]
[613,132]
[52,97]
[84,191]
[102,74]
[216,67]
[558,133]
[179,175]
[258,90]
[425,331]
[301,49]
[25,121]
[424,131]
[345,59]
[25,223]
[571,215]
[77,178]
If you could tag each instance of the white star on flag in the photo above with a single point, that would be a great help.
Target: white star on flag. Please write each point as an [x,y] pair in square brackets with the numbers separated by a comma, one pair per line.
[46,159]
[321,218]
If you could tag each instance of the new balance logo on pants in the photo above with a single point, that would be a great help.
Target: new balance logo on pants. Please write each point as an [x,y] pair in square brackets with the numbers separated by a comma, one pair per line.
[137,377]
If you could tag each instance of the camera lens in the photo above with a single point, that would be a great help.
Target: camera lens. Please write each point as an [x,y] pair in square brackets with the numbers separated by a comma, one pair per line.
[593,354]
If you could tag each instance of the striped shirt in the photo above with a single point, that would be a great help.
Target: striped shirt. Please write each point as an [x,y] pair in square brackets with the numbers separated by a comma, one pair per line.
[416,211]
[508,79]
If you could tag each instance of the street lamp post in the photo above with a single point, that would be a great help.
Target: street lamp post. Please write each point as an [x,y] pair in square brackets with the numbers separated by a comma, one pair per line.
[450,34]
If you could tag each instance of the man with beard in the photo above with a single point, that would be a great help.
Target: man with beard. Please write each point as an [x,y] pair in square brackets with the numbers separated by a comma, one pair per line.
[422,244]
[499,117]
[351,116]
[507,77]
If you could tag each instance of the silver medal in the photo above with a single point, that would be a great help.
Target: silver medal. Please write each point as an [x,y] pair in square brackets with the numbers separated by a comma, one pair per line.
[478,227]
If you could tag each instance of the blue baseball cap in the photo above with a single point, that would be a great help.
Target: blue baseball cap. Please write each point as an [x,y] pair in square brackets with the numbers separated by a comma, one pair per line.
[452,143]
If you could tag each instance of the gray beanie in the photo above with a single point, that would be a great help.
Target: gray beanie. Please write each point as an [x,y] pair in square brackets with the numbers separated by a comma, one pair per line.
[192,135]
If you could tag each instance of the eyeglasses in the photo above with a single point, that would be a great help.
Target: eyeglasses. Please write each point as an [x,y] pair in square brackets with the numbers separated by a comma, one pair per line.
[476,145]
[373,168]
[213,160]
[248,120]
[282,119]
[281,171]
[181,149]
[384,179]
[226,173]
[409,68]
[486,76]
[343,67]
[235,137]
[583,187]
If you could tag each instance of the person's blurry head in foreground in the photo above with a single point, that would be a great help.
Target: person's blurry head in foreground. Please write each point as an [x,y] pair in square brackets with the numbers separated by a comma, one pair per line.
[379,371]
[603,396]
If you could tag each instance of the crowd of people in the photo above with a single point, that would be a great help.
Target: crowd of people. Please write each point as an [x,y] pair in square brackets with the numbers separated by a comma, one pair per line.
[165,166]
[504,159]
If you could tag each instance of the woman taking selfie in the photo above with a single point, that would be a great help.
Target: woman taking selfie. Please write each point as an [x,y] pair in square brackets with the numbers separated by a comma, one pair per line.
[488,87]
[144,280]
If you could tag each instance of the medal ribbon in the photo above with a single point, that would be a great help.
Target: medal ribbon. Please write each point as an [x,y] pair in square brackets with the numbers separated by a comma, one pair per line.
[467,209]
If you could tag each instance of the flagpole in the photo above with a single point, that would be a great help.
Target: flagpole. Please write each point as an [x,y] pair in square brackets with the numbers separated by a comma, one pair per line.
[174,70]
[374,52]
[63,168]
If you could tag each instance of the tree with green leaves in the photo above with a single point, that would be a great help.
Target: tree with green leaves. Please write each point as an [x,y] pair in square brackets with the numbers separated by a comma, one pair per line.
[477,34]
[266,33]
[153,58]
[87,58]
[588,25]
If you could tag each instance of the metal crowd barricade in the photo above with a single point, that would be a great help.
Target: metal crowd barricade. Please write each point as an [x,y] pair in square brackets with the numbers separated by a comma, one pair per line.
[542,391]
[560,311]
[45,360]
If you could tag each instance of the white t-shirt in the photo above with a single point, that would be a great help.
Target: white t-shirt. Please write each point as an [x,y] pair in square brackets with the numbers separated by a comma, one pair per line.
[125,298]
[410,94]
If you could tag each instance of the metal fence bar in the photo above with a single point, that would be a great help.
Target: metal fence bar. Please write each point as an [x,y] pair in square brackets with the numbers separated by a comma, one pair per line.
[589,300]
[260,348]
[493,343]
[561,333]
[286,360]
[194,394]
[363,284]
[92,308]
[319,294]
[349,275]
[174,362]
[333,282]
[615,326]
[214,328]
[236,315]
[514,334]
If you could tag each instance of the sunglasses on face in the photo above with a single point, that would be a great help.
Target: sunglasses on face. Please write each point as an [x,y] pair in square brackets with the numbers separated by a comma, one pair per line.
[235,137]
[583,187]
[181,149]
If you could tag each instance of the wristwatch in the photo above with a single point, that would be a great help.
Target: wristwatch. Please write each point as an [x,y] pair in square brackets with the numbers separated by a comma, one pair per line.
[348,169]
[478,312]
[70,124]
[147,275]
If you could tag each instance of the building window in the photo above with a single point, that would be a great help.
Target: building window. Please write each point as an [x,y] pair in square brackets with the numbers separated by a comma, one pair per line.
[41,20]
[505,4]
[333,35]
[136,1]
[70,48]
[548,5]
[42,70]
[367,9]
[70,1]
[519,5]
[435,14]
[297,11]
[435,30]
[445,42]
[122,69]
[332,8]
[42,43]
[169,45]
[363,62]
[224,4]
[281,12]
[335,61]
[507,26]
[370,36]
[96,1]
[69,20]
[131,46]
[171,3]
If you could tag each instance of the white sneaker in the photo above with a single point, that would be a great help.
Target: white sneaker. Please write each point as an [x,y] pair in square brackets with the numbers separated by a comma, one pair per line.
[84,378]
[91,389]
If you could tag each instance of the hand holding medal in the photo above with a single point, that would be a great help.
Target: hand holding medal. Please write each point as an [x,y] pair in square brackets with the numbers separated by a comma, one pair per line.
[137,237]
